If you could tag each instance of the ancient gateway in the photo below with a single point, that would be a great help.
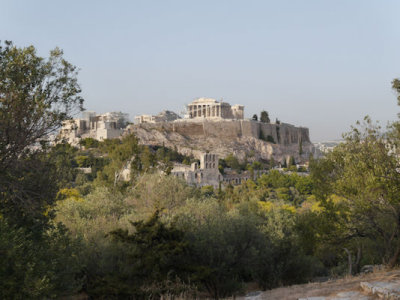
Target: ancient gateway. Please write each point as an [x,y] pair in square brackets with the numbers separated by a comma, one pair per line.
[91,125]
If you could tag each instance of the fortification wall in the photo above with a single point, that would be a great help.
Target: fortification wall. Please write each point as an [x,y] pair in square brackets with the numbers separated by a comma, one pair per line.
[224,137]
[188,128]
[224,129]
[250,128]
[283,134]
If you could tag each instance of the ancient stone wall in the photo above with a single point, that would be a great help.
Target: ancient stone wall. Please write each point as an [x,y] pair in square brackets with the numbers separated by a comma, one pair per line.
[223,129]
[188,128]
[283,134]
[224,137]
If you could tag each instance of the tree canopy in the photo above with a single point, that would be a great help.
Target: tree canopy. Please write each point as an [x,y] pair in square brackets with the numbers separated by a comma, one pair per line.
[359,181]
[264,117]
[36,96]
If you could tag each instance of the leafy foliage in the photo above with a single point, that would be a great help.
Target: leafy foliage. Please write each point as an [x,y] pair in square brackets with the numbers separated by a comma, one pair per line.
[264,117]
[36,95]
[157,254]
[33,267]
[363,171]
[154,236]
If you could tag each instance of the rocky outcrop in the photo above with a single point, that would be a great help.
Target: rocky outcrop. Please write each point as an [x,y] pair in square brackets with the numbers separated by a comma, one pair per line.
[243,138]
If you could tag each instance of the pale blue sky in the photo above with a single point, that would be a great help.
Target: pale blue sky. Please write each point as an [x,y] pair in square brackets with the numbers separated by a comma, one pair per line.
[319,64]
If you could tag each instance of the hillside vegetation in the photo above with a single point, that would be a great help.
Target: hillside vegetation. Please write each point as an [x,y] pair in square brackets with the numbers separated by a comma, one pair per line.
[64,232]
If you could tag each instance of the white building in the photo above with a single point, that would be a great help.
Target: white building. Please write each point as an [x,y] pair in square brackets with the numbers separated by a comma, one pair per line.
[164,116]
[100,127]
[209,108]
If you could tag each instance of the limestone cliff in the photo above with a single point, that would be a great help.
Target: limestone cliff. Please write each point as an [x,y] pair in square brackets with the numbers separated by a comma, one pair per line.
[240,137]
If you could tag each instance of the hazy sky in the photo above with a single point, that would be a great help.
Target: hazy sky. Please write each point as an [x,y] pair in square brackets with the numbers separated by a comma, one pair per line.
[314,63]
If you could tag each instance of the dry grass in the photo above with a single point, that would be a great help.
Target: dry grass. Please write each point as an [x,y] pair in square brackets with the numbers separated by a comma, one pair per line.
[328,288]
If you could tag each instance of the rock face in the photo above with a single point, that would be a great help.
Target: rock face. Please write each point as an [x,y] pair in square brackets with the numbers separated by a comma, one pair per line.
[243,138]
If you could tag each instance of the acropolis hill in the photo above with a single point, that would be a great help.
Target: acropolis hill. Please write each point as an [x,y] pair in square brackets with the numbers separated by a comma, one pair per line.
[218,127]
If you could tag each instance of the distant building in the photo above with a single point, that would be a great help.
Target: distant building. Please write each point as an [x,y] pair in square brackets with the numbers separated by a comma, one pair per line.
[145,119]
[207,173]
[199,109]
[164,116]
[327,146]
[209,108]
[100,127]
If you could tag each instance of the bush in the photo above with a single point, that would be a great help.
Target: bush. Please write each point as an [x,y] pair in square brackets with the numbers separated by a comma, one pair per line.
[37,267]
[221,246]
[156,257]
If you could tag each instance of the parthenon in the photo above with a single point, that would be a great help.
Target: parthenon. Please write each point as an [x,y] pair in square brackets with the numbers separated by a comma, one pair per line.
[211,108]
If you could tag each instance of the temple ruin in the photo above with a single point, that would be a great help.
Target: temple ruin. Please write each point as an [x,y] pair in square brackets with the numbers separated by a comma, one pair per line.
[209,108]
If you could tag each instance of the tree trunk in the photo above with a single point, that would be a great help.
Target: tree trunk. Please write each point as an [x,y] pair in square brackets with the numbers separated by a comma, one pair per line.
[350,261]
[393,260]
[358,258]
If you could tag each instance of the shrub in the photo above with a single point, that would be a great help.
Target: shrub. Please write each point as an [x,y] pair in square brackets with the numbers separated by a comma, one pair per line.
[37,267]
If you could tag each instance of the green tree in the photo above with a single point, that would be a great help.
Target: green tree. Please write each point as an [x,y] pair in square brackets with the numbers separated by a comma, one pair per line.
[36,96]
[125,153]
[32,268]
[83,161]
[281,260]
[221,246]
[363,172]
[89,143]
[264,117]
[157,254]
[62,156]
[232,162]
[254,118]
